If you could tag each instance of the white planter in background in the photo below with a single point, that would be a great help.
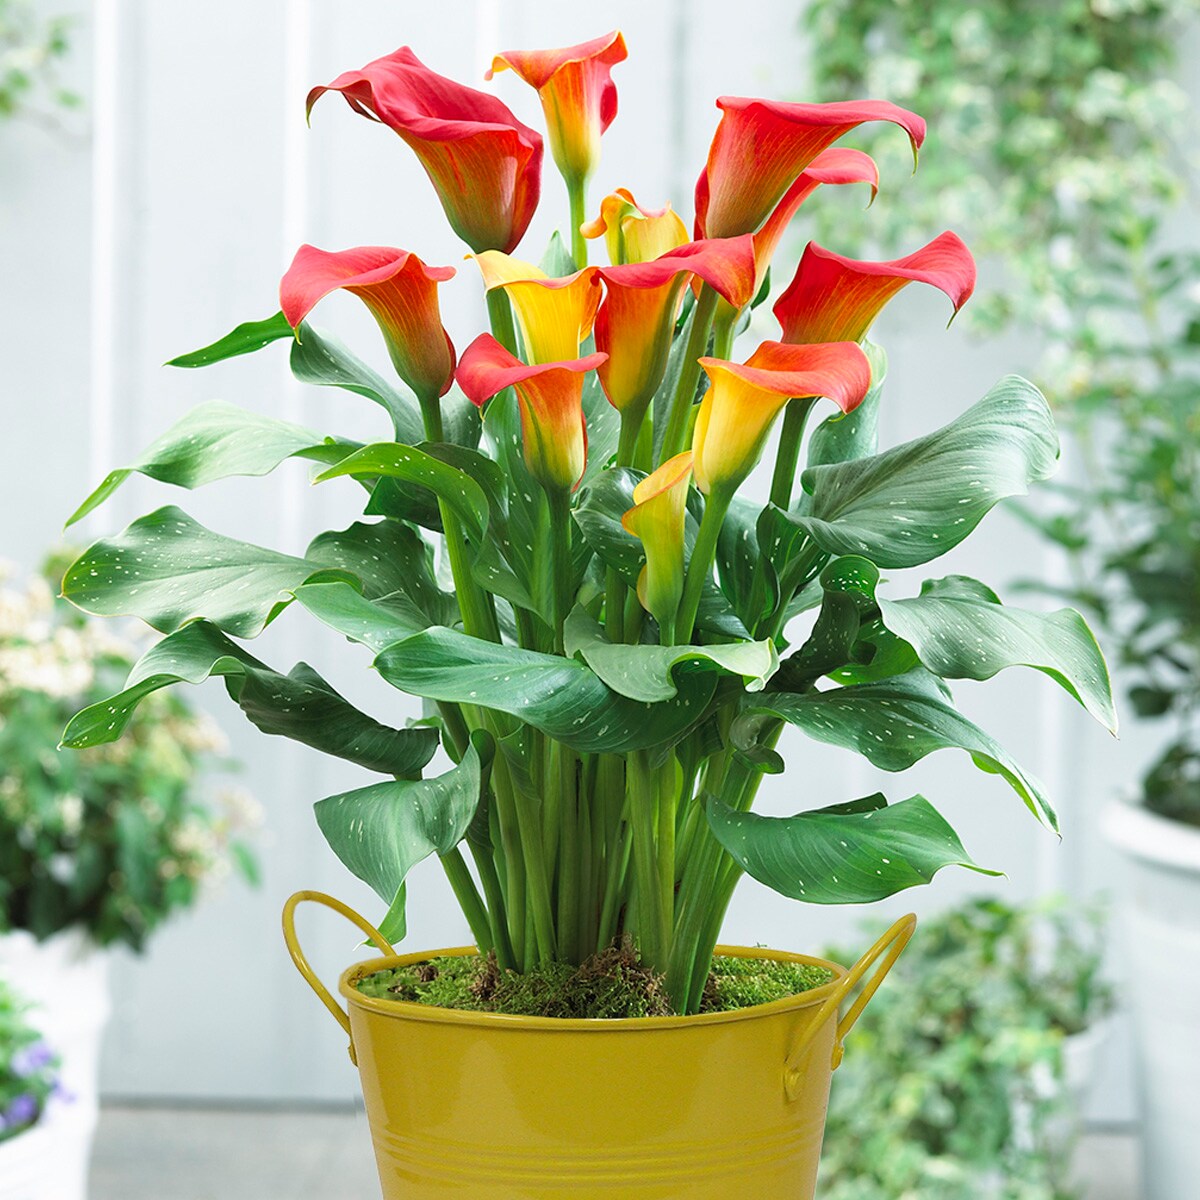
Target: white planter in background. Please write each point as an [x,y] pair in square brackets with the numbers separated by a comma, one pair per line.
[66,979]
[1160,907]
[24,1163]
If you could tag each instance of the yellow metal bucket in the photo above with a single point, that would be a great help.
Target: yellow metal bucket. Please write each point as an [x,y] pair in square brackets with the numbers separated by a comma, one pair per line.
[720,1106]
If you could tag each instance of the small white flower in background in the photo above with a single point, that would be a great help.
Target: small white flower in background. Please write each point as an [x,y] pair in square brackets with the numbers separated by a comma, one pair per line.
[242,811]
[70,813]
[201,734]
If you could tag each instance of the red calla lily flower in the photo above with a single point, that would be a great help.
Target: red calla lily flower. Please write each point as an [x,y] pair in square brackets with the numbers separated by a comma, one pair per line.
[553,430]
[762,146]
[744,399]
[641,302]
[578,96]
[836,165]
[401,292]
[832,298]
[484,163]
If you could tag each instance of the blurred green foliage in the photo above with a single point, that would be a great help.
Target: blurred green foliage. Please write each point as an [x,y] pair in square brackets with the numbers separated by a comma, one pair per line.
[28,1067]
[112,839]
[31,49]
[953,1086]
[1058,148]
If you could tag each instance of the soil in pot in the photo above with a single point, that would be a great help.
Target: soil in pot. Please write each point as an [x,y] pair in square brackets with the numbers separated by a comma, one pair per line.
[611,985]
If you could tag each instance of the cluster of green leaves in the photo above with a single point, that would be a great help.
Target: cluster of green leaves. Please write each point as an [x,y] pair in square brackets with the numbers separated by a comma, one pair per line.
[30,51]
[116,838]
[583,753]
[943,1092]
[1058,152]
[28,1067]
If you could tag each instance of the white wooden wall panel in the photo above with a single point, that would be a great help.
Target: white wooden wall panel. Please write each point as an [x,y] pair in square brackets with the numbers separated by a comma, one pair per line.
[205,179]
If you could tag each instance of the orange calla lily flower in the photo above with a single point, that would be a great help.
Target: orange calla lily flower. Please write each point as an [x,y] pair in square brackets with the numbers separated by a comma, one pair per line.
[553,430]
[485,165]
[401,292]
[836,165]
[578,96]
[641,302]
[554,315]
[743,401]
[762,146]
[658,518]
[832,298]
[634,234]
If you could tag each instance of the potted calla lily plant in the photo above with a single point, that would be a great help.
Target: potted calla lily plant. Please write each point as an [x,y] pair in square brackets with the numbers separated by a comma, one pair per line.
[626,636]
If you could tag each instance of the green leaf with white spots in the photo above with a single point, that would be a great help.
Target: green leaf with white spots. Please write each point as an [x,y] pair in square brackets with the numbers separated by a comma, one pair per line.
[562,697]
[375,624]
[960,630]
[648,672]
[854,853]
[893,724]
[913,503]
[168,569]
[300,705]
[215,441]
[381,832]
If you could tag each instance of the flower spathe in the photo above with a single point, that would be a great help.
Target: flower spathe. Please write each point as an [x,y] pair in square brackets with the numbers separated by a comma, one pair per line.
[837,165]
[761,147]
[550,395]
[634,234]
[401,293]
[744,399]
[554,315]
[658,519]
[579,98]
[833,298]
[485,165]
[641,302]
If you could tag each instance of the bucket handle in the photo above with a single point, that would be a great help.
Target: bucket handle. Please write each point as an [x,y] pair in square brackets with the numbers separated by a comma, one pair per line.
[302,964]
[889,948]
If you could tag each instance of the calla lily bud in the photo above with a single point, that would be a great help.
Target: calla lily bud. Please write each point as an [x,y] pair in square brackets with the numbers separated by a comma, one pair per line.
[401,292]
[634,234]
[553,430]
[832,298]
[485,165]
[743,401]
[578,96]
[641,303]
[554,315]
[761,148]
[658,518]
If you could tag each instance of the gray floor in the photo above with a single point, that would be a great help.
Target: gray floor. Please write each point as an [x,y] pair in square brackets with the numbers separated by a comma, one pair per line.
[205,1154]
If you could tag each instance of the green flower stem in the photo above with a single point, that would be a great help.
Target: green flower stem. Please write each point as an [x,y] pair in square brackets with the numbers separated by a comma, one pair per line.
[456,729]
[577,198]
[614,888]
[497,909]
[724,327]
[478,613]
[653,937]
[689,375]
[501,318]
[632,424]
[537,894]
[614,605]
[795,416]
[667,800]
[467,895]
[562,781]
[703,555]
[561,570]
[514,865]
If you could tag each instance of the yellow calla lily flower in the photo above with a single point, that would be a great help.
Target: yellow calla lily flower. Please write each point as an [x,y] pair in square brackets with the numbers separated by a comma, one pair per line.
[554,315]
[657,518]
[634,234]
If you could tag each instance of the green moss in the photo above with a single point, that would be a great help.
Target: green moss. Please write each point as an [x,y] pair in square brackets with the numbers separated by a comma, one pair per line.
[743,982]
[608,986]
